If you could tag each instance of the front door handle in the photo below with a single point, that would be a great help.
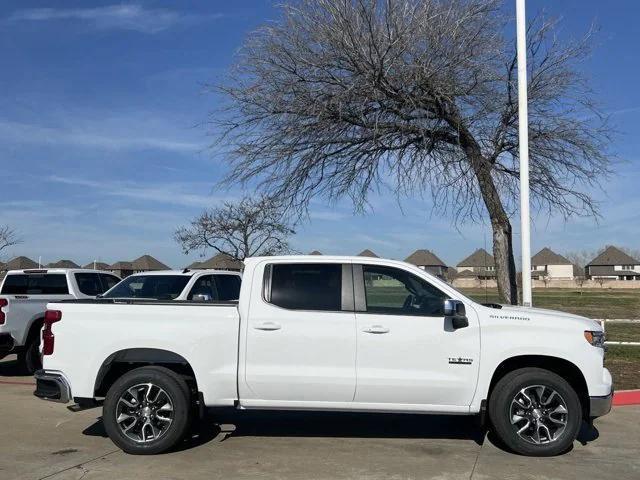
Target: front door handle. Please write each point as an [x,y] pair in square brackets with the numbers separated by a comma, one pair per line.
[376,329]
[268,326]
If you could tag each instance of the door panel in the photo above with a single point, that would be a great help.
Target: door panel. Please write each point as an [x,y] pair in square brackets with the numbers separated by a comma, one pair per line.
[404,357]
[301,355]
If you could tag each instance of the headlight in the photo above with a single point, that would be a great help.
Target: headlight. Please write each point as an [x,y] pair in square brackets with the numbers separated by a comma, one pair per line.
[595,338]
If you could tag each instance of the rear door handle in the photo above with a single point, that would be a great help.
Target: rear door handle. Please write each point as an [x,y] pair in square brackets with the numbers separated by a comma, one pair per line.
[268,326]
[376,329]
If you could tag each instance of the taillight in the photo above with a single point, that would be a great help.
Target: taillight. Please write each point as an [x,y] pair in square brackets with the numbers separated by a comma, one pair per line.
[3,316]
[50,317]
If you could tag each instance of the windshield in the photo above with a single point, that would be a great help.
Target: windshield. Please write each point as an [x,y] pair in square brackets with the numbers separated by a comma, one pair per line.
[158,287]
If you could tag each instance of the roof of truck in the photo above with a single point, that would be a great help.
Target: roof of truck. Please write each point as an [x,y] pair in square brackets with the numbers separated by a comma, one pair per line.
[56,270]
[187,272]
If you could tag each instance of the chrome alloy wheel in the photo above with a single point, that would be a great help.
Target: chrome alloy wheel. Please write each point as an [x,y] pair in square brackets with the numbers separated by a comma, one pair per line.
[144,412]
[539,414]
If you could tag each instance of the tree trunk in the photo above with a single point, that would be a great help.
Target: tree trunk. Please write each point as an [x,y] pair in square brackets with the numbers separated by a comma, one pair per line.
[503,255]
[500,224]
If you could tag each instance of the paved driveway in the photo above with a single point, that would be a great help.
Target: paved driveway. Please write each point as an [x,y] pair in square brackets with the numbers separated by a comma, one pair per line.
[45,440]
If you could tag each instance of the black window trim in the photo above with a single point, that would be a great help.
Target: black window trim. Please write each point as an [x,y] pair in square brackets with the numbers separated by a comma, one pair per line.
[361,298]
[346,296]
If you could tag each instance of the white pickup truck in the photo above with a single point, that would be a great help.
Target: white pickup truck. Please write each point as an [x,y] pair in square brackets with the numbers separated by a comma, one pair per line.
[327,333]
[24,295]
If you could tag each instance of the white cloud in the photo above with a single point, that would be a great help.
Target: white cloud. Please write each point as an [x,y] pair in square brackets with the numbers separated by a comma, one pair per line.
[29,133]
[123,17]
[182,194]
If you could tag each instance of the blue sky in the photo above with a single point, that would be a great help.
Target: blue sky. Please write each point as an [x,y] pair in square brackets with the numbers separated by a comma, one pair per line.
[103,152]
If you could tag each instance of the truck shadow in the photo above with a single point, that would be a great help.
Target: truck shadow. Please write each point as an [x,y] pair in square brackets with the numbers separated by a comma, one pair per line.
[9,367]
[218,426]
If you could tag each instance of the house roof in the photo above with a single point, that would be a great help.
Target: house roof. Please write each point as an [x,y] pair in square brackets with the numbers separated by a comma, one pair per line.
[147,262]
[422,258]
[20,263]
[194,265]
[315,252]
[63,264]
[612,272]
[367,253]
[222,261]
[476,273]
[98,266]
[546,256]
[479,258]
[122,266]
[613,256]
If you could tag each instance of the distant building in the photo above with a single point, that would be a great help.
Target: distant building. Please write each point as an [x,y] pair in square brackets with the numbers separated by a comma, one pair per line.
[315,252]
[98,266]
[221,261]
[63,264]
[367,253]
[429,262]
[20,263]
[145,263]
[613,264]
[548,264]
[480,264]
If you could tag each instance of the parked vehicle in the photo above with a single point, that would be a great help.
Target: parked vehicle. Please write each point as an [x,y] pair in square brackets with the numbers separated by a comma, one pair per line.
[327,333]
[197,285]
[24,295]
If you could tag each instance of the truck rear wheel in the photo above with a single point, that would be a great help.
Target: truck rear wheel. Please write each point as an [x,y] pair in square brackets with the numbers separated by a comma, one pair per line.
[147,410]
[30,358]
[535,412]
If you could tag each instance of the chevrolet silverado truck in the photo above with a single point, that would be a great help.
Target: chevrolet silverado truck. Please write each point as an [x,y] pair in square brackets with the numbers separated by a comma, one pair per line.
[327,333]
[24,295]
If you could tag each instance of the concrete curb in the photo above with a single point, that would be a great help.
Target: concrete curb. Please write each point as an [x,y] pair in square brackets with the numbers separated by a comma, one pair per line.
[626,397]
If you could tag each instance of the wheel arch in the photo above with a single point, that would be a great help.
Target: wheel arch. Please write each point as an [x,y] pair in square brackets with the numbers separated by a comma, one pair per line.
[123,361]
[560,366]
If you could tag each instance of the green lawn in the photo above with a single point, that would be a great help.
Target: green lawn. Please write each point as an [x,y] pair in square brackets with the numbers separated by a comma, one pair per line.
[624,364]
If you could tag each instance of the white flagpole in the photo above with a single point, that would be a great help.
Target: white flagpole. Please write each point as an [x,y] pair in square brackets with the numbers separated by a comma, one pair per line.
[523,126]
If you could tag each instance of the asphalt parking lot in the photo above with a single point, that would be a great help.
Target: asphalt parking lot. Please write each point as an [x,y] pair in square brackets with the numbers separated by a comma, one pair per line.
[45,440]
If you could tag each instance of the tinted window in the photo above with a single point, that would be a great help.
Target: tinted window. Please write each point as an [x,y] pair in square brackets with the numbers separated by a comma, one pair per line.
[305,286]
[36,284]
[157,287]
[108,281]
[393,291]
[217,287]
[89,283]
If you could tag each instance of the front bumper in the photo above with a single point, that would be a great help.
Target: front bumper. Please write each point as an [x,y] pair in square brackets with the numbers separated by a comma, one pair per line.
[599,406]
[51,385]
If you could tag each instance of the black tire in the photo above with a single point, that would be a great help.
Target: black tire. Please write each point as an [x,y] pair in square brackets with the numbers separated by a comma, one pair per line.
[30,358]
[178,392]
[500,414]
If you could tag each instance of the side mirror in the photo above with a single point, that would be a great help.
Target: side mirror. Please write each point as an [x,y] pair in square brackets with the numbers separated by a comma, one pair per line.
[202,297]
[456,310]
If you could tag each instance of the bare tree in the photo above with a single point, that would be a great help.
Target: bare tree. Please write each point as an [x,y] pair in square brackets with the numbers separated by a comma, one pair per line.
[342,97]
[8,237]
[243,229]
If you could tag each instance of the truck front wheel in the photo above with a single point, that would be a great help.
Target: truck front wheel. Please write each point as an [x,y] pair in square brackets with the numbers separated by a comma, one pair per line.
[535,412]
[147,410]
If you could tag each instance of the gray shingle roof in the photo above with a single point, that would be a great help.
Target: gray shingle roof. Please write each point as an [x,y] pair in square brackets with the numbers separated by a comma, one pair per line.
[147,262]
[423,258]
[20,263]
[222,261]
[367,253]
[479,258]
[546,256]
[315,252]
[613,256]
[98,266]
[63,264]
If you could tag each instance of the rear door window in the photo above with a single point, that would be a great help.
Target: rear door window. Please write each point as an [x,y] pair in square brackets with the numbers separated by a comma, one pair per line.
[108,281]
[217,287]
[36,284]
[307,286]
[89,283]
